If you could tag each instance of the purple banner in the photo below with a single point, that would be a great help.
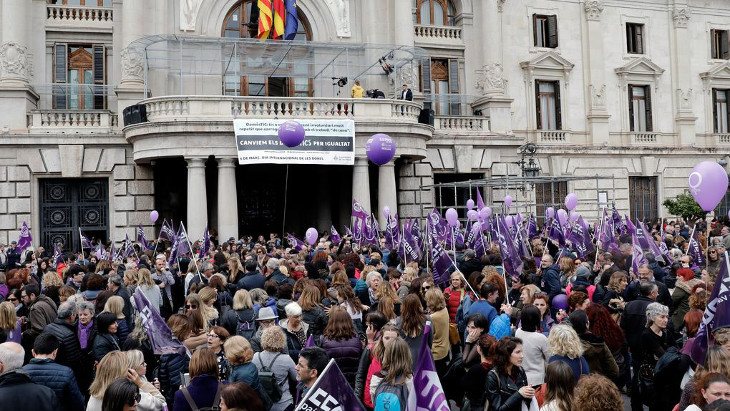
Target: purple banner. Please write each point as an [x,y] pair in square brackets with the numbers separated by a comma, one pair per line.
[717,313]
[158,332]
[331,391]
[429,392]
[26,239]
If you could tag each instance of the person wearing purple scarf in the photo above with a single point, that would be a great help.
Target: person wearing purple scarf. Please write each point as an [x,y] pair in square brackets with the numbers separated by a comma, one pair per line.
[86,333]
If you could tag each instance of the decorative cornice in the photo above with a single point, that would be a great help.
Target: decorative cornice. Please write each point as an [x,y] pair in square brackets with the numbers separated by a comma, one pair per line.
[681,16]
[593,9]
[500,5]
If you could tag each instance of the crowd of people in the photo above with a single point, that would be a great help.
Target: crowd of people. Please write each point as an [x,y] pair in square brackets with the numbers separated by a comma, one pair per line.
[259,322]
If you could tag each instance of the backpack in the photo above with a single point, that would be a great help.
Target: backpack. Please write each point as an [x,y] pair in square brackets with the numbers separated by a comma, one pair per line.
[245,328]
[268,380]
[389,397]
[194,406]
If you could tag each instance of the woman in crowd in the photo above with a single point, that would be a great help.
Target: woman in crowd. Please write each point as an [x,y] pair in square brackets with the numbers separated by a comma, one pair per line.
[148,287]
[235,269]
[217,336]
[476,376]
[115,305]
[595,392]
[617,283]
[596,352]
[560,384]
[113,366]
[476,326]
[122,395]
[346,298]
[440,329]
[507,388]
[386,306]
[51,285]
[281,365]
[106,338]
[240,354]
[194,311]
[173,365]
[396,374]
[209,295]
[686,281]
[540,300]
[534,345]
[453,295]
[203,386]
[341,342]
[412,323]
[564,345]
[240,319]
[717,360]
[136,362]
[296,330]
[9,323]
[712,386]
[312,313]
[240,397]
[602,325]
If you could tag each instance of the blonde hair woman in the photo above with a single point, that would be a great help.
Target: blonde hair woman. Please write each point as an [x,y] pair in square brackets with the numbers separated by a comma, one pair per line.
[397,369]
[148,287]
[241,313]
[135,361]
[113,366]
[9,322]
[235,269]
[440,320]
[239,354]
[209,295]
[51,285]
[115,305]
[564,345]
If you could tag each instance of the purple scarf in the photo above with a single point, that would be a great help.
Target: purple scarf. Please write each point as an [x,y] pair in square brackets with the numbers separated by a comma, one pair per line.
[84,331]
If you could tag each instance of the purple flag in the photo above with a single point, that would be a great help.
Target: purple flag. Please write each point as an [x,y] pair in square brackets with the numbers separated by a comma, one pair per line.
[128,250]
[292,21]
[331,391]
[532,227]
[112,256]
[26,239]
[205,247]
[510,256]
[408,249]
[310,341]
[167,232]
[296,244]
[85,243]
[695,250]
[334,236]
[429,392]
[392,233]
[158,333]
[580,239]
[717,313]
[142,240]
[440,260]
[370,232]
[637,254]
[616,218]
[57,254]
[480,202]
[555,232]
[630,227]
[357,211]
[100,252]
[439,226]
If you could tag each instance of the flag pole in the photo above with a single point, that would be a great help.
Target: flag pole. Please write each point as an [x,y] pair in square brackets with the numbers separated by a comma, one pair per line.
[192,253]
[691,237]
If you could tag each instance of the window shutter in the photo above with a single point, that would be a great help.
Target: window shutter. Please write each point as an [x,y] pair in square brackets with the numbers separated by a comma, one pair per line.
[724,45]
[552,31]
[538,109]
[60,74]
[534,29]
[647,91]
[558,111]
[715,113]
[640,39]
[99,76]
[631,108]
[454,106]
[426,82]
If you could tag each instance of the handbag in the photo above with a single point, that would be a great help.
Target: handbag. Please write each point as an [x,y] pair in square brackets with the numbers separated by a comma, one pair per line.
[454,337]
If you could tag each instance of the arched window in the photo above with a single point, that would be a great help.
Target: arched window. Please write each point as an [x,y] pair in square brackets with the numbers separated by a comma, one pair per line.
[435,12]
[238,24]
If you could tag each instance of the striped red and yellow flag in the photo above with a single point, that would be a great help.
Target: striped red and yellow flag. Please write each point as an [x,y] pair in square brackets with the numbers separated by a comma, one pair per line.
[279,18]
[265,19]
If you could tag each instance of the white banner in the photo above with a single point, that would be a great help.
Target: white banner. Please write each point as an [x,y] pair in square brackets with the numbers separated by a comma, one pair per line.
[328,142]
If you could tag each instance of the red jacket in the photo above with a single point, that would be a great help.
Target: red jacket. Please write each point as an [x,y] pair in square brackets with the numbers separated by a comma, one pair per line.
[453,299]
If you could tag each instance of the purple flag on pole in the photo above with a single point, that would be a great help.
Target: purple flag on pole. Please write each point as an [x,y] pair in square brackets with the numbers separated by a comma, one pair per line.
[26,239]
[630,227]
[717,313]
[142,239]
[100,252]
[637,254]
[205,247]
[57,253]
[510,256]
[128,250]
[310,341]
[357,211]
[296,244]
[408,249]
[440,260]
[183,246]
[480,202]
[555,232]
[334,236]
[85,243]
[167,232]
[429,392]
[532,227]
[158,333]
[695,251]
[331,391]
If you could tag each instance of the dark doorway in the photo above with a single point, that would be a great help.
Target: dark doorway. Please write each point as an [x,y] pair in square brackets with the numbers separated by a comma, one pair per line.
[171,190]
[67,205]
[643,198]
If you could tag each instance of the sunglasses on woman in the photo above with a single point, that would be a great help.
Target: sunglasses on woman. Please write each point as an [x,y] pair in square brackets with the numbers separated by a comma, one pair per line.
[189,307]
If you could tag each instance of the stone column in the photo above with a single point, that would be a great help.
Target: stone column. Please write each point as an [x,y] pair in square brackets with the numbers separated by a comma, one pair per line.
[490,77]
[227,199]
[386,191]
[361,182]
[597,113]
[197,201]
[403,30]
[131,86]
[685,118]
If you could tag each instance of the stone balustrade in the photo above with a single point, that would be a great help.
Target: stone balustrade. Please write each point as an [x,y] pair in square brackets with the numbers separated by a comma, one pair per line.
[72,121]
[461,123]
[437,33]
[79,16]
[552,136]
[722,138]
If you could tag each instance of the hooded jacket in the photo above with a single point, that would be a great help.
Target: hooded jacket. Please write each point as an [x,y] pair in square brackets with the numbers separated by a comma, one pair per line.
[42,312]
[17,388]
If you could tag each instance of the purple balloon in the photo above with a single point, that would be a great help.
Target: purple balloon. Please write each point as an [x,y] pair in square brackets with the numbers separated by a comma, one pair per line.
[485,212]
[476,226]
[311,235]
[291,133]
[154,215]
[562,216]
[386,211]
[469,204]
[574,215]
[550,212]
[571,201]
[508,201]
[510,221]
[380,148]
[708,184]
[452,217]
[472,215]
[560,302]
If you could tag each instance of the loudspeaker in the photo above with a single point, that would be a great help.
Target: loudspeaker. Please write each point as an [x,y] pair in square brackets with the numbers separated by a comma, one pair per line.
[426,116]
[134,114]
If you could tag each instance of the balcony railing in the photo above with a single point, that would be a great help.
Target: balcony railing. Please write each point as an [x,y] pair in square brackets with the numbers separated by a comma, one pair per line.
[553,136]
[644,138]
[722,138]
[437,33]
[172,108]
[80,16]
[71,121]
[461,123]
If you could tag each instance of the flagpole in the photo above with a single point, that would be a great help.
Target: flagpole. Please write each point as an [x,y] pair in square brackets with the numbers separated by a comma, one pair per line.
[403,237]
[428,253]
[192,253]
[504,277]
[691,237]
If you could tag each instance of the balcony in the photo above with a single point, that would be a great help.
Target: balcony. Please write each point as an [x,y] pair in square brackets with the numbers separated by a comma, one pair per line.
[553,136]
[178,125]
[722,139]
[71,122]
[461,124]
[79,18]
[438,36]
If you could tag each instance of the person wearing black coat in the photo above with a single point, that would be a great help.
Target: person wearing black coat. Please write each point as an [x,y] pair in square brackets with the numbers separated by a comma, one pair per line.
[115,284]
[17,388]
[64,329]
[341,342]
[252,278]
[550,281]
[171,367]
[106,339]
[43,370]
[507,388]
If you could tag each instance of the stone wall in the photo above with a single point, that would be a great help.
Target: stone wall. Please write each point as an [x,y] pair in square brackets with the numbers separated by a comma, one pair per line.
[132,197]
[412,194]
[15,202]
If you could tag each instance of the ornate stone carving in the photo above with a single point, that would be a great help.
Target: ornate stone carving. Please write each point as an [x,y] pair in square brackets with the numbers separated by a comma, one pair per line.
[598,96]
[491,78]
[500,5]
[593,9]
[340,10]
[189,14]
[132,64]
[15,62]
[681,16]
[406,75]
[685,99]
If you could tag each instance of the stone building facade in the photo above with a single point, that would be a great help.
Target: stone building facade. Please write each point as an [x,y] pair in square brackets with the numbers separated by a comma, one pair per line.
[636,91]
